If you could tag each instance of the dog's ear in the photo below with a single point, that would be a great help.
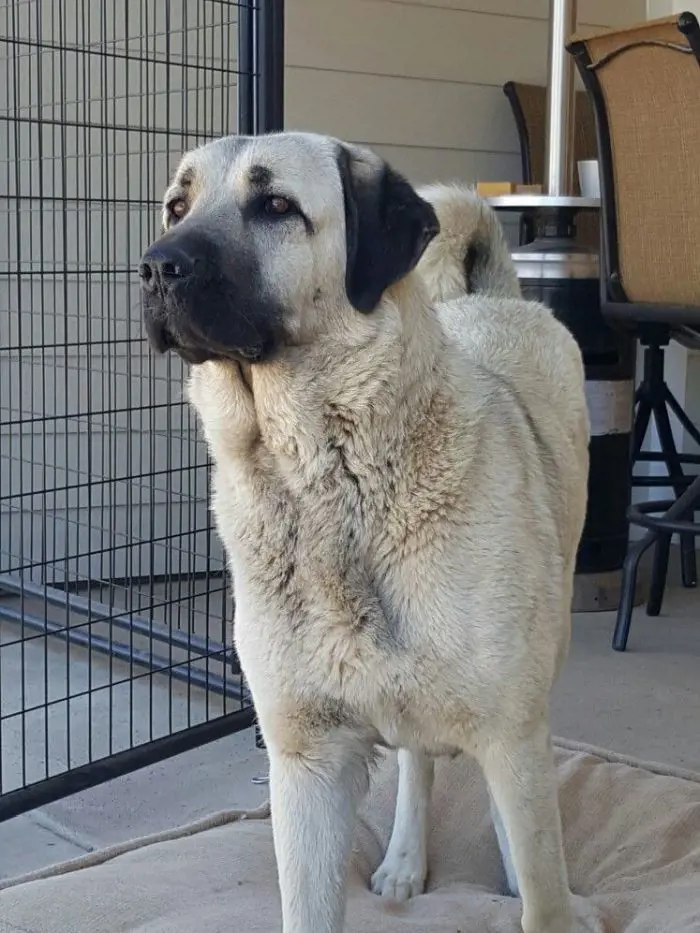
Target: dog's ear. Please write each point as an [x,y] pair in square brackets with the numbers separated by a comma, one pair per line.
[387,226]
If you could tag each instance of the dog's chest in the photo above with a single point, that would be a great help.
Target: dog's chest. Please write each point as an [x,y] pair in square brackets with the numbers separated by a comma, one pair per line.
[308,555]
[349,519]
[338,524]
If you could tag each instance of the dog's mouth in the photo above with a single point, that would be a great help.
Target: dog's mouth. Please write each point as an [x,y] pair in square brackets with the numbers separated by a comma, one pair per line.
[195,348]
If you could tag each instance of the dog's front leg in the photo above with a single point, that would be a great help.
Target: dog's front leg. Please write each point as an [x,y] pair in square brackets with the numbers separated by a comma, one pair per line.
[520,774]
[314,799]
[402,873]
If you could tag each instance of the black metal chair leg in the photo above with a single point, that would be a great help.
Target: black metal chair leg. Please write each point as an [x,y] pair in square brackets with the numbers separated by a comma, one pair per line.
[629,585]
[641,423]
[688,557]
[689,573]
[658,575]
[689,567]
[675,407]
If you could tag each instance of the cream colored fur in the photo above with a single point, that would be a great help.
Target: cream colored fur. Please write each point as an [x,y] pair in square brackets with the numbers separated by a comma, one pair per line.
[401,496]
[466,221]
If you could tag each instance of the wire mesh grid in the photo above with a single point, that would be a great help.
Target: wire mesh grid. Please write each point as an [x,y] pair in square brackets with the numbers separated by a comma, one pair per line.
[114,602]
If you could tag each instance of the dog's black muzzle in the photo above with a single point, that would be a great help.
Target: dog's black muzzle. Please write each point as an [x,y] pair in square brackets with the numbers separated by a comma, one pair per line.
[205,303]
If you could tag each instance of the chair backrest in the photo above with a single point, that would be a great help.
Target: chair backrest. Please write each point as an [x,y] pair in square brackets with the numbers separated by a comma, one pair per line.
[529,105]
[644,83]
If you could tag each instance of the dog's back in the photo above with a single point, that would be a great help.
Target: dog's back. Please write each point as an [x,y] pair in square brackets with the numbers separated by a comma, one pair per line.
[515,342]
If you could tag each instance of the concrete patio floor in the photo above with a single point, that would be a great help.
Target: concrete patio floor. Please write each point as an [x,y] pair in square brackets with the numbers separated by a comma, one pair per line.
[645,703]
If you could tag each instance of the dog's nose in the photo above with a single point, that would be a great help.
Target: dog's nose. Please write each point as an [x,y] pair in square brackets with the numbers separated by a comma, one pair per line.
[164,265]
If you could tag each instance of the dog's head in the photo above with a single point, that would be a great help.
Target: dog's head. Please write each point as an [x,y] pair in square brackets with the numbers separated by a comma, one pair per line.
[270,241]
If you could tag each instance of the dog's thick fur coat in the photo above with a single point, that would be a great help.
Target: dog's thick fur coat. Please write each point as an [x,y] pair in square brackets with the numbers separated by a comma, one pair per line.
[400,471]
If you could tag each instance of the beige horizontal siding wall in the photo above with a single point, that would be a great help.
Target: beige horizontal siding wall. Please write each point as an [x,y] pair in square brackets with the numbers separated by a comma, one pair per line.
[658,8]
[420,80]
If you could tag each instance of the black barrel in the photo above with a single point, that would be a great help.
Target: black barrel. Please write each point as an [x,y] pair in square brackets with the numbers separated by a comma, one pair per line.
[568,284]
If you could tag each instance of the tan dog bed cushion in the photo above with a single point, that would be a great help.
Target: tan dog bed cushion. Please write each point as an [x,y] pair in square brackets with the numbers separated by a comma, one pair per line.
[632,835]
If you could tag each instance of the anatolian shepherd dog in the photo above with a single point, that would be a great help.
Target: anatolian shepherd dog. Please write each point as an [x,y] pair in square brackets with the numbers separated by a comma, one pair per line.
[400,444]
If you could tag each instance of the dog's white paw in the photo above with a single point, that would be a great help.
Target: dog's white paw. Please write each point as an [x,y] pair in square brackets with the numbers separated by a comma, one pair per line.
[400,876]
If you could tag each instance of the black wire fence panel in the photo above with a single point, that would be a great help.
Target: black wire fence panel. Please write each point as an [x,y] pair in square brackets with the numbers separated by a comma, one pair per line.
[115,607]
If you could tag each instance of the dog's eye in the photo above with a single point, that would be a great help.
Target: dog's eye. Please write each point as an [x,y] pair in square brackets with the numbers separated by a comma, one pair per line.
[278,206]
[177,209]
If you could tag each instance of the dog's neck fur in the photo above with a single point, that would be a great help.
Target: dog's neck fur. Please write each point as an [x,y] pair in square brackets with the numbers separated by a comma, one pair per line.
[335,394]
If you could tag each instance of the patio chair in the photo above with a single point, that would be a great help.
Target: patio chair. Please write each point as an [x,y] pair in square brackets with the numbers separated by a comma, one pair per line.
[644,83]
[528,103]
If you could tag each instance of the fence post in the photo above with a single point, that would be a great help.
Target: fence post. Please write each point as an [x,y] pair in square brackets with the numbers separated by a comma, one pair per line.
[269,48]
[246,67]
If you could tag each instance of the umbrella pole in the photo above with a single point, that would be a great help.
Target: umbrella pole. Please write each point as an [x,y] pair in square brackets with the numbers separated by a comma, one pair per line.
[559,140]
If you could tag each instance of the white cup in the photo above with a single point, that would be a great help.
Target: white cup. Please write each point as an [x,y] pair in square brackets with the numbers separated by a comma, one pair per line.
[589,178]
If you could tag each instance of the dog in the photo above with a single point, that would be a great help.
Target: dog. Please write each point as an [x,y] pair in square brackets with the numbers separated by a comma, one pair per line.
[400,457]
